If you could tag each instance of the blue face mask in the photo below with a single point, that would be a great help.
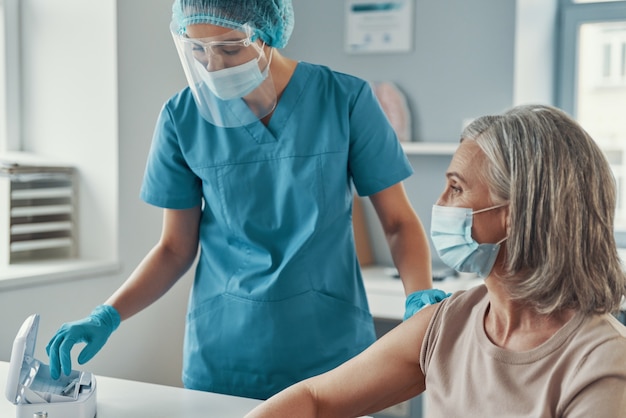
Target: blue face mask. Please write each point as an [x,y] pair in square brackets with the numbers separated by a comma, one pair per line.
[235,82]
[451,233]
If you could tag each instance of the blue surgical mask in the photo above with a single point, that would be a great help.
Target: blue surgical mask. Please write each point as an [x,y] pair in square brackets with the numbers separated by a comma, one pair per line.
[235,82]
[451,233]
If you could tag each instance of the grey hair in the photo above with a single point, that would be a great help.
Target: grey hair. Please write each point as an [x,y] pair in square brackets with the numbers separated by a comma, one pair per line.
[560,251]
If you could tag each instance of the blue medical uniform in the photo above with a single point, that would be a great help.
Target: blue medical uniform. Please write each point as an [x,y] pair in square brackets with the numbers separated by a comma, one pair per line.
[278,294]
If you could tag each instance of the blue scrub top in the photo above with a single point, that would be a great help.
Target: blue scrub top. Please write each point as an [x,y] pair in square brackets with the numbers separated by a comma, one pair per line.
[278,294]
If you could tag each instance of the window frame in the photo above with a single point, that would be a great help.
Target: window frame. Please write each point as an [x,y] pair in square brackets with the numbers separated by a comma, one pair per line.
[571,16]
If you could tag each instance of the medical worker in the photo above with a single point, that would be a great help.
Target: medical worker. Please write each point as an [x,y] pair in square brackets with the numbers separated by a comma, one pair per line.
[254,164]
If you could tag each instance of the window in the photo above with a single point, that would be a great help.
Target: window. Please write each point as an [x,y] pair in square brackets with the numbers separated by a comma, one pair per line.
[592,81]
[61,109]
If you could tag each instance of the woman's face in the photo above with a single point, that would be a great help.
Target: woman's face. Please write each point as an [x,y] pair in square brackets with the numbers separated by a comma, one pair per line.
[466,187]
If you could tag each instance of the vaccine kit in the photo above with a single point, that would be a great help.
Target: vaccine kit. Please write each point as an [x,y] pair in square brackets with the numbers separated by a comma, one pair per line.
[35,393]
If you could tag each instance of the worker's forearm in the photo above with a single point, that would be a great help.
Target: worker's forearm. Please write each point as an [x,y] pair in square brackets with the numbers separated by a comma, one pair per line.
[411,255]
[152,278]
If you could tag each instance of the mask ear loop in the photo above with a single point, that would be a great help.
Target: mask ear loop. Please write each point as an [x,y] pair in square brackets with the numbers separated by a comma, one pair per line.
[489,208]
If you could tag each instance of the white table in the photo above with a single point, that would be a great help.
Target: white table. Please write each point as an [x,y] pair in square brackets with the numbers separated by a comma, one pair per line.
[118,398]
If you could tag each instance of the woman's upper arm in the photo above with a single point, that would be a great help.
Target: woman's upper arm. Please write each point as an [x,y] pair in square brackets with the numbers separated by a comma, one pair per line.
[387,373]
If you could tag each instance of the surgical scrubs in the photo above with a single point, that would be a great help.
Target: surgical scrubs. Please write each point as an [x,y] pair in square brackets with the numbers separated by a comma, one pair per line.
[278,294]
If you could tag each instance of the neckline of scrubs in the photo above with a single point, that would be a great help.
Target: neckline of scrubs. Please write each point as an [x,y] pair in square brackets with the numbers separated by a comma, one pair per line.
[284,108]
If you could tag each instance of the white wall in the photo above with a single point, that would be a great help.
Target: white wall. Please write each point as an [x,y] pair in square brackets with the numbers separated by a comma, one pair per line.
[460,66]
[535,49]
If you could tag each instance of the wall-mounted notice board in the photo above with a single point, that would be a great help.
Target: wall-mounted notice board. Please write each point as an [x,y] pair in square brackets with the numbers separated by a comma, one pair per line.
[375,26]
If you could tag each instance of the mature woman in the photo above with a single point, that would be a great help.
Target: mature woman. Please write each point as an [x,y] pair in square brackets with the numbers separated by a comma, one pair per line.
[529,204]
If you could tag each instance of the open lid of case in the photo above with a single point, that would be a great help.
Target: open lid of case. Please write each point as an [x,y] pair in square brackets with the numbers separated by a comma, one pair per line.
[22,356]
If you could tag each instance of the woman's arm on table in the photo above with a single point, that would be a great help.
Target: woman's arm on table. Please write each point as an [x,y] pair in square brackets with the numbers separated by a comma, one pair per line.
[386,373]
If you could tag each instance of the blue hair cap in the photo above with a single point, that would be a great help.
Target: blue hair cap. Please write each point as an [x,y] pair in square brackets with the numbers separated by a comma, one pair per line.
[271,20]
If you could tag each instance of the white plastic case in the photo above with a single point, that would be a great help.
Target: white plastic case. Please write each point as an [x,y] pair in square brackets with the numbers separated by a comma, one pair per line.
[31,388]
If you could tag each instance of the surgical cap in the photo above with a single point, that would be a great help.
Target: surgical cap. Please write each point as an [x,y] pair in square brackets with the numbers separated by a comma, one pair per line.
[271,20]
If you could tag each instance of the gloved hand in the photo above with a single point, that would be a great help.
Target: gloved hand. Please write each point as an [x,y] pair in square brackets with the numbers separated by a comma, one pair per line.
[418,300]
[93,330]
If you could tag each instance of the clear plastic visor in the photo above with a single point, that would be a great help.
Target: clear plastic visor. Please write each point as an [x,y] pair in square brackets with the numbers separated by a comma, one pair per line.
[228,76]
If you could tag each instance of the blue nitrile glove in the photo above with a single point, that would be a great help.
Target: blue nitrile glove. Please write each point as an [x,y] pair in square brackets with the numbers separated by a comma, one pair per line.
[93,330]
[418,300]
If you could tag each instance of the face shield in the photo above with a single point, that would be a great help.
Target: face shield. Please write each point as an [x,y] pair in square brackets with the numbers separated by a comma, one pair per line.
[228,76]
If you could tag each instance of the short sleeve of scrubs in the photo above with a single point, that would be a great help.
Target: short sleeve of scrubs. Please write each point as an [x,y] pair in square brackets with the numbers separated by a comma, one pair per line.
[377,160]
[168,181]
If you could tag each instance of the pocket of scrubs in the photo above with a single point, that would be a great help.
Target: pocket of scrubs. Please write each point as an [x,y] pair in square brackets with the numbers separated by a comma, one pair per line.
[256,349]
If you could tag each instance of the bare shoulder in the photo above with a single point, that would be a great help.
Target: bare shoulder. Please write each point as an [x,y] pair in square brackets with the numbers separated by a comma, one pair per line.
[407,338]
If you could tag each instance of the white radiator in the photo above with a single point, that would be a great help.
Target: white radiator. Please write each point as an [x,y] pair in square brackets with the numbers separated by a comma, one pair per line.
[38,211]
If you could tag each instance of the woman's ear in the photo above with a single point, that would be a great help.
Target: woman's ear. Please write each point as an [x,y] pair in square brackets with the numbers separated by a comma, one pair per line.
[507,219]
